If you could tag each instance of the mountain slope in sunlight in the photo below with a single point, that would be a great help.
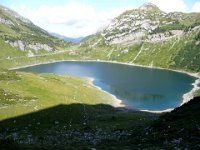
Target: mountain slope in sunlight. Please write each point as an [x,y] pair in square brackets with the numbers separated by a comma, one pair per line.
[150,37]
[19,37]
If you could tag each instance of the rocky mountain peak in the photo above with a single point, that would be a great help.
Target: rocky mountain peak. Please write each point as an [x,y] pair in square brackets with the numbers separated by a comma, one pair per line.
[147,24]
[20,33]
[149,6]
[4,10]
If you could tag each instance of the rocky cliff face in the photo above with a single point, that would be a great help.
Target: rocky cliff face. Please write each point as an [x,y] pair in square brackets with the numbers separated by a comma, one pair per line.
[22,45]
[147,24]
[14,14]
[22,34]
[148,36]
[6,21]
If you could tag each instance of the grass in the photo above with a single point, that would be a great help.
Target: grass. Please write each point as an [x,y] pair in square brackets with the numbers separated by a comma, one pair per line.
[197,93]
[165,28]
[27,33]
[48,111]
[46,90]
[53,109]
[180,127]
[7,50]
[178,53]
[75,126]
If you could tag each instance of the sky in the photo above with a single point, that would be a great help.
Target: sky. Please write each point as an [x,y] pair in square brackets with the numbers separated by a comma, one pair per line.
[79,18]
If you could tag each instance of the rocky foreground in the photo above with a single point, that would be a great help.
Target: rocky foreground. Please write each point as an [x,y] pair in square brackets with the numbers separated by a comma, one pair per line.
[103,127]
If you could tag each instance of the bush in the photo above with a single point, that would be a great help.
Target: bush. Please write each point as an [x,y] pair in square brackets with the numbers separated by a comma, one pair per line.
[197,37]
[168,27]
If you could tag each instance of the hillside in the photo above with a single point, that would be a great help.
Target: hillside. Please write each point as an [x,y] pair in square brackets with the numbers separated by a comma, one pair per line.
[97,126]
[48,111]
[145,36]
[150,37]
[180,127]
[21,40]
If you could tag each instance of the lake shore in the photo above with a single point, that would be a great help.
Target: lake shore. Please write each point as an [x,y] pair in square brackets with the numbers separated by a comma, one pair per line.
[158,111]
[118,103]
[114,62]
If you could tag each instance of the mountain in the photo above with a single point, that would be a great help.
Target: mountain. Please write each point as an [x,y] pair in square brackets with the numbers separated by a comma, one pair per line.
[67,39]
[19,37]
[47,111]
[37,111]
[148,36]
[144,36]
[179,127]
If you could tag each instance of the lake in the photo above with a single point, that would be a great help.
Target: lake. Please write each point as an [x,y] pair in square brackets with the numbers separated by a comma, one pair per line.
[137,87]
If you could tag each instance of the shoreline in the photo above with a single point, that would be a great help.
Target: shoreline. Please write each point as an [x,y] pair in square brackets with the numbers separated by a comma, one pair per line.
[158,111]
[185,98]
[116,102]
[113,62]
[190,95]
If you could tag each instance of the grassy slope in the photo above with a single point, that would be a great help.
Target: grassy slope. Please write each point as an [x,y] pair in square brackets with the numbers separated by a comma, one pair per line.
[28,33]
[25,30]
[75,127]
[103,127]
[25,92]
[67,111]
[197,93]
[180,127]
[178,53]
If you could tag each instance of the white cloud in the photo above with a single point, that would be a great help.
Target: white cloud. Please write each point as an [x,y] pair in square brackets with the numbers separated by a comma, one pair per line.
[73,19]
[170,5]
[196,7]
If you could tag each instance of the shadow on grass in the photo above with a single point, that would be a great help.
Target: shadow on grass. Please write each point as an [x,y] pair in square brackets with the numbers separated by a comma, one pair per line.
[79,126]
[79,114]
[75,124]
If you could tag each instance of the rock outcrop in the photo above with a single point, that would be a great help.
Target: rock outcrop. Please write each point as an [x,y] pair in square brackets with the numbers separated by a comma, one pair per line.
[22,45]
[23,35]
[5,21]
[141,25]
[14,14]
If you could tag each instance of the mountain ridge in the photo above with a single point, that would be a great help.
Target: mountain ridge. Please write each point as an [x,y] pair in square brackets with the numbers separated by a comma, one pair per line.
[149,37]
[84,126]
[145,36]
[146,20]
[20,33]
[67,39]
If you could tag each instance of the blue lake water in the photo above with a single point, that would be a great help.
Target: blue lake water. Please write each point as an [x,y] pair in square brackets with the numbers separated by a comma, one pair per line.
[137,87]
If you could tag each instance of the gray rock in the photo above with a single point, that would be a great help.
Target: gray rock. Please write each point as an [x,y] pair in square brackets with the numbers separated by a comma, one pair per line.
[6,21]
[135,36]
[18,44]
[22,45]
[39,46]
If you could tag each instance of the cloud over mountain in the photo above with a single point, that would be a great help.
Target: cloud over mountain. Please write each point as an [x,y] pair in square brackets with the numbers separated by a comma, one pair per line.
[73,19]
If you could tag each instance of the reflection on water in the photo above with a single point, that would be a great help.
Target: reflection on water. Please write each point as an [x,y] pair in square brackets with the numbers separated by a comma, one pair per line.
[138,87]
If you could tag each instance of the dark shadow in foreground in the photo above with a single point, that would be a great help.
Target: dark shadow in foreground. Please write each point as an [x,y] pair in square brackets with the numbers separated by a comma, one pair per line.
[72,126]
[79,126]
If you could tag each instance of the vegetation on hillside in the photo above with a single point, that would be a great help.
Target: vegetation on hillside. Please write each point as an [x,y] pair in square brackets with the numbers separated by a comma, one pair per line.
[19,91]
[21,41]
[178,53]
[47,111]
[76,126]
[22,29]
[169,27]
